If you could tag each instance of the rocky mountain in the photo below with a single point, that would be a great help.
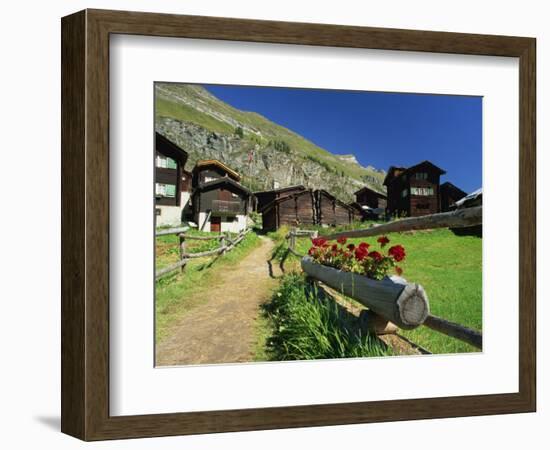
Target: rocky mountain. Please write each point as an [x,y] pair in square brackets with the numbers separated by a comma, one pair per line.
[260,150]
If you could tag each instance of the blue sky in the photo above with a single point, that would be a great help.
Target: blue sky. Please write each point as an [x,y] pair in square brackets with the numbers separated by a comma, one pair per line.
[380,129]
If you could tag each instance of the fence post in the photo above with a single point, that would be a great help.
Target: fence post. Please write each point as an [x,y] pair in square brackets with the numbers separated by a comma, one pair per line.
[182,250]
[222,242]
[292,238]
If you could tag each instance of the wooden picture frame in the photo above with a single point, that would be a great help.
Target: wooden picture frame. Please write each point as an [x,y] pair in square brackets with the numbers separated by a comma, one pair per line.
[85,224]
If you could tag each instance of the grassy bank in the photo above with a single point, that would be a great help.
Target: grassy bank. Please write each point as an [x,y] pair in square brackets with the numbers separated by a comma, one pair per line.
[180,291]
[450,269]
[305,327]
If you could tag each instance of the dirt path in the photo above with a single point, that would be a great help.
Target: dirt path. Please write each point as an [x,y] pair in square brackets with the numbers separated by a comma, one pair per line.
[223,328]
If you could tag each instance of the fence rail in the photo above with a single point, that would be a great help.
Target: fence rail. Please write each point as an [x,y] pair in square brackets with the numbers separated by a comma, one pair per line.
[397,301]
[168,231]
[204,238]
[226,245]
[460,218]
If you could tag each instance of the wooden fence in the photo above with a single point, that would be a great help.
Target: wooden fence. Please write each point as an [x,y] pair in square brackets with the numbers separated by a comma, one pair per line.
[226,244]
[395,300]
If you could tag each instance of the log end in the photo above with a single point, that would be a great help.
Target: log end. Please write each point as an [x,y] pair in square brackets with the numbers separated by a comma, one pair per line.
[413,306]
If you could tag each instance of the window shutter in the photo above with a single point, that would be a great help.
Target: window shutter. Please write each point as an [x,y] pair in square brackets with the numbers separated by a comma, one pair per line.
[171,164]
[170,190]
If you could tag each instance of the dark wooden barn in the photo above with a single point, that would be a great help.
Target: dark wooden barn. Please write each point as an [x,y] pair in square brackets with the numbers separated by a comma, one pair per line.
[263,198]
[331,211]
[293,210]
[449,195]
[414,191]
[371,198]
[307,207]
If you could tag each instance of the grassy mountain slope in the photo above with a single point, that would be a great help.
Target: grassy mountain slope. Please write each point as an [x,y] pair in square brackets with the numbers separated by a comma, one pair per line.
[180,107]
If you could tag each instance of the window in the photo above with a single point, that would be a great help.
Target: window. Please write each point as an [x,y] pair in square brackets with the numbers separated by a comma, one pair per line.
[423,191]
[234,195]
[165,190]
[165,162]
[421,175]
[404,193]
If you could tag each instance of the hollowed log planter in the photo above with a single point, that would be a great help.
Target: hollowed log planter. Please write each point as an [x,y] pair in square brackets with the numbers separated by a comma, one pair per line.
[405,304]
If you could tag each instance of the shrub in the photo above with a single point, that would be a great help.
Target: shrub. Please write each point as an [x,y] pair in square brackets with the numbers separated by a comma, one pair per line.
[281,146]
[239,132]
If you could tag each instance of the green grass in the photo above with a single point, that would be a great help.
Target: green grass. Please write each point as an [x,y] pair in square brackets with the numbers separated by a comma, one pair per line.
[306,327]
[264,331]
[449,267]
[180,111]
[180,291]
[167,247]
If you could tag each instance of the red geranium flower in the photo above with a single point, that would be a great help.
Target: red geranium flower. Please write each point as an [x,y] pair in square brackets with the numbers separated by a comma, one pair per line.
[334,247]
[351,247]
[383,240]
[341,240]
[364,245]
[397,252]
[375,255]
[319,242]
[361,253]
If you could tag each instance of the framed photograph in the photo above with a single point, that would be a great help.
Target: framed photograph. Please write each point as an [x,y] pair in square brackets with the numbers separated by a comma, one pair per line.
[272,225]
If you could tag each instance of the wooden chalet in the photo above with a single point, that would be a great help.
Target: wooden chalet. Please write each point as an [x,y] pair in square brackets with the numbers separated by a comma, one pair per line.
[220,202]
[331,211]
[295,209]
[414,191]
[212,169]
[450,194]
[371,198]
[172,182]
[263,198]
[306,207]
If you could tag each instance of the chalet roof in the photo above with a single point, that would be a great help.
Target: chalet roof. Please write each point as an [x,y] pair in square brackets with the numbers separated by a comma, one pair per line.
[356,206]
[170,148]
[215,162]
[470,197]
[282,199]
[307,191]
[394,171]
[345,205]
[221,181]
[452,187]
[288,188]
[366,188]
